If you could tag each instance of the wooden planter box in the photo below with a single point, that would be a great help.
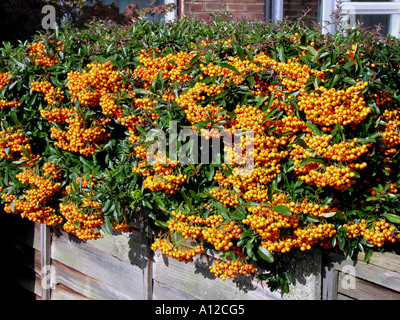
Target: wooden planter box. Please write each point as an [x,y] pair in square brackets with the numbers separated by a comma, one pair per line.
[58,266]
[122,266]
[354,279]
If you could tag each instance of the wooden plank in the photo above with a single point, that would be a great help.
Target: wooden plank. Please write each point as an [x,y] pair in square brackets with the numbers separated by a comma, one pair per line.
[195,281]
[45,261]
[329,283]
[386,278]
[85,285]
[121,275]
[364,290]
[61,292]
[385,260]
[343,297]
[162,292]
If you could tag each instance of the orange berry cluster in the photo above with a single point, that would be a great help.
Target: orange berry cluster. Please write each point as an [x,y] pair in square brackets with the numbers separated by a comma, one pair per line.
[89,86]
[52,95]
[328,107]
[170,66]
[5,79]
[221,238]
[345,151]
[12,141]
[315,234]
[378,234]
[212,229]
[38,52]
[339,176]
[123,227]
[199,92]
[78,137]
[314,209]
[213,70]
[229,198]
[291,124]
[32,205]
[249,117]
[230,269]
[57,114]
[85,219]
[169,250]
[267,150]
[161,176]
[79,223]
[391,132]
[280,232]
[169,183]
[11,104]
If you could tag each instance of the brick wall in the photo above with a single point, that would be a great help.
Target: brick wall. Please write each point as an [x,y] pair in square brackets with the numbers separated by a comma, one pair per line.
[293,9]
[251,9]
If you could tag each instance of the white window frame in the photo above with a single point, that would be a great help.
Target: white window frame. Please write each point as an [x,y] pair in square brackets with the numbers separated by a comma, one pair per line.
[350,9]
[172,14]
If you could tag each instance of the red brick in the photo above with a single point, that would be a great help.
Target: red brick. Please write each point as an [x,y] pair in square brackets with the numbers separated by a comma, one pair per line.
[236,7]
[202,16]
[194,7]
[249,15]
[214,6]
[255,7]
[248,1]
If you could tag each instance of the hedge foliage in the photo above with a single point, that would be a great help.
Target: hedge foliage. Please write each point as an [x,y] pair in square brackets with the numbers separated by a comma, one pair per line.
[77,105]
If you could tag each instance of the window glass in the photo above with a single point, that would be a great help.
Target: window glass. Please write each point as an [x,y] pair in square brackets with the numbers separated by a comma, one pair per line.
[389,22]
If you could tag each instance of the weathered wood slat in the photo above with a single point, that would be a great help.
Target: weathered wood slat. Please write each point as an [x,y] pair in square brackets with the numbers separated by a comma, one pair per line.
[194,280]
[162,292]
[85,285]
[343,297]
[369,272]
[329,283]
[385,260]
[364,290]
[122,275]
[61,292]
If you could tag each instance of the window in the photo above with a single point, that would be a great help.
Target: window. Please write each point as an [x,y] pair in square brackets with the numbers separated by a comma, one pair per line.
[370,13]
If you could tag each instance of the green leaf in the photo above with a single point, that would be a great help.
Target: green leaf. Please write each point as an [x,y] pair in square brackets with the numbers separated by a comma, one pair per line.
[313,219]
[327,214]
[281,54]
[314,128]
[142,91]
[240,53]
[392,217]
[221,208]
[311,159]
[251,81]
[161,224]
[270,114]
[265,254]
[108,225]
[368,254]
[26,153]
[249,249]
[230,67]
[282,209]
[106,206]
